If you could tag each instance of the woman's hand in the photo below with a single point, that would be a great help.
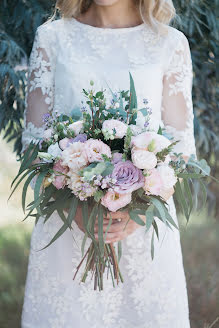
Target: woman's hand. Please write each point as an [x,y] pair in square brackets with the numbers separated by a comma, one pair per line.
[121,227]
[167,194]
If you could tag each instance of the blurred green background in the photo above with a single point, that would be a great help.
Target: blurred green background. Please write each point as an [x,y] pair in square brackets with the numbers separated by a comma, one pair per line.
[200,242]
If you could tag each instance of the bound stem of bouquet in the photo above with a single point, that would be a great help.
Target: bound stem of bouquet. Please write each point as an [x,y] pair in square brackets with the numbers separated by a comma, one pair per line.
[99,265]
[100,259]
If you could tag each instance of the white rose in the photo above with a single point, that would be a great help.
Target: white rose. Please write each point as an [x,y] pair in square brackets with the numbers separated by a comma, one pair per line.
[167,175]
[54,150]
[76,127]
[144,159]
[119,127]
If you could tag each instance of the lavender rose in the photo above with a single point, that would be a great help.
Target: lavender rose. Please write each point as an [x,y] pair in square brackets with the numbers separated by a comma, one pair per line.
[128,177]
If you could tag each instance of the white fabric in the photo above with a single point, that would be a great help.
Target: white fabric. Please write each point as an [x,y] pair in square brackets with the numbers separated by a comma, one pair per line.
[66,55]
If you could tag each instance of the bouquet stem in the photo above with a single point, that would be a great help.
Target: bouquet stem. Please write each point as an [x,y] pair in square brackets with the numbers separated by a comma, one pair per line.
[97,266]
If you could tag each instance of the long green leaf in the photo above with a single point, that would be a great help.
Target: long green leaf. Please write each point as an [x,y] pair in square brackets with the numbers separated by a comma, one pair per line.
[100,230]
[119,250]
[24,191]
[189,194]
[27,162]
[149,216]
[85,214]
[160,207]
[108,226]
[133,100]
[19,181]
[152,246]
[135,217]
[181,200]
[204,194]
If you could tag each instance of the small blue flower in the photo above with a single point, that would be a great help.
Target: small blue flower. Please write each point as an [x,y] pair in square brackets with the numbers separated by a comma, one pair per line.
[145,101]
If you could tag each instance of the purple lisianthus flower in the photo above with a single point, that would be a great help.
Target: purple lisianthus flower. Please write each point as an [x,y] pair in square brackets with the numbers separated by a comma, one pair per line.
[82,137]
[127,177]
[116,158]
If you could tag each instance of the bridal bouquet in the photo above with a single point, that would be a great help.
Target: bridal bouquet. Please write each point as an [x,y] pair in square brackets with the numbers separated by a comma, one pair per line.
[105,162]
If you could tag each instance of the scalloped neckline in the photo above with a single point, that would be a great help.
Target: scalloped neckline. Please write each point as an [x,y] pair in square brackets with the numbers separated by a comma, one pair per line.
[106,29]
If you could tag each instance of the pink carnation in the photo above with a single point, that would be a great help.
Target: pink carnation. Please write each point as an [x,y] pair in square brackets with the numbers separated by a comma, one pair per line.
[74,156]
[94,150]
[60,180]
[114,201]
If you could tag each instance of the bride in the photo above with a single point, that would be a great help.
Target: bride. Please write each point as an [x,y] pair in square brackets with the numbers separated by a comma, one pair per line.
[102,41]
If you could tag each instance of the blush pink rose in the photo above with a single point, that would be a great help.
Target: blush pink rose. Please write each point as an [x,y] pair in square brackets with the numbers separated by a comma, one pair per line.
[153,183]
[114,201]
[94,149]
[60,180]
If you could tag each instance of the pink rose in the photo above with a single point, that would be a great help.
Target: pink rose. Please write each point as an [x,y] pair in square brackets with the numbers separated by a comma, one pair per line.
[153,183]
[114,201]
[60,180]
[94,150]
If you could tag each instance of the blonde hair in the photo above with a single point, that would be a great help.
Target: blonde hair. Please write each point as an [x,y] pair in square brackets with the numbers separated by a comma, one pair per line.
[157,13]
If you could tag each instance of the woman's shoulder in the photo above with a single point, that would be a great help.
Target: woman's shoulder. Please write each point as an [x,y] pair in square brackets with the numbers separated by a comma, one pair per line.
[175,35]
[50,28]
[48,34]
[175,40]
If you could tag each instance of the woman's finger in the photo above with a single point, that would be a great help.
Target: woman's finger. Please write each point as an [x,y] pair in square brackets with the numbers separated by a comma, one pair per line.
[117,215]
[116,227]
[111,235]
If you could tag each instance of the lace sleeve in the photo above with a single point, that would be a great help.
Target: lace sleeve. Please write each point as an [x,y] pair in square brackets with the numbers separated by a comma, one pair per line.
[40,87]
[177,107]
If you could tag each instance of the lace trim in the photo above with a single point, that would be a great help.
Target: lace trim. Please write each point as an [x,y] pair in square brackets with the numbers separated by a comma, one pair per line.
[31,133]
[186,144]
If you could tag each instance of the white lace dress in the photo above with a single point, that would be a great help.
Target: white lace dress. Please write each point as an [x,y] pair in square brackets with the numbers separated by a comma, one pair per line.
[66,55]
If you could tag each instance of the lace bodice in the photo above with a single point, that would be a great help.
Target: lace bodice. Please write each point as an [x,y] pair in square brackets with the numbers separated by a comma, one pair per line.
[67,55]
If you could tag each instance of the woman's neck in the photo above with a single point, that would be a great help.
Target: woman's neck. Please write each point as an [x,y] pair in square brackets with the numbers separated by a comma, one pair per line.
[121,14]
